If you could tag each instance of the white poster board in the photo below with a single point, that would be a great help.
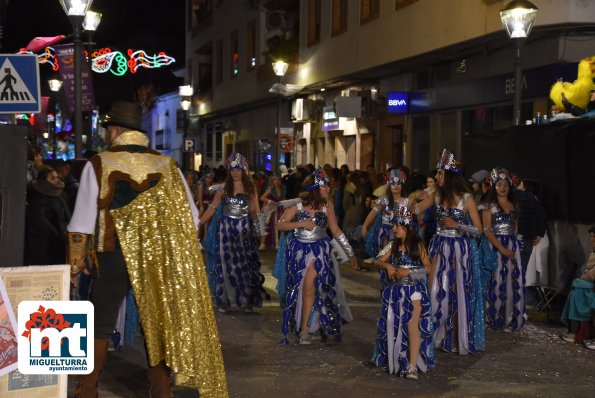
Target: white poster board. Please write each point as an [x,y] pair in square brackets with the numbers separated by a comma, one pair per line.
[38,282]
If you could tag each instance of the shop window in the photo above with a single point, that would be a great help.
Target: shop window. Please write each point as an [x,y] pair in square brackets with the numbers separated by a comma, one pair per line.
[313,22]
[422,159]
[369,10]
[339,17]
[485,119]
[209,151]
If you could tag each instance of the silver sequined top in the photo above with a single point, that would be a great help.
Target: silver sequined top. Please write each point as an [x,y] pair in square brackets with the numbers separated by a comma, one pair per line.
[386,211]
[319,232]
[403,260]
[235,206]
[456,213]
[503,223]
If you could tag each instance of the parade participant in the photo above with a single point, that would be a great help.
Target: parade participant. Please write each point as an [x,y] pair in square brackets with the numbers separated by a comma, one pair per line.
[271,197]
[232,241]
[404,337]
[205,198]
[505,305]
[457,306]
[144,214]
[312,298]
[381,215]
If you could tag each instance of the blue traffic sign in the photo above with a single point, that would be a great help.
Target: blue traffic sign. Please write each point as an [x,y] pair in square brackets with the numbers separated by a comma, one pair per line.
[19,83]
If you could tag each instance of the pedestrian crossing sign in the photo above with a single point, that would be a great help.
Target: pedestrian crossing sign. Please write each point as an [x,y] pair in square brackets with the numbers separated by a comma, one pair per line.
[19,83]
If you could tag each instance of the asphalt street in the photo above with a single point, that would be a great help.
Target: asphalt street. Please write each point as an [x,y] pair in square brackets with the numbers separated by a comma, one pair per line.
[535,363]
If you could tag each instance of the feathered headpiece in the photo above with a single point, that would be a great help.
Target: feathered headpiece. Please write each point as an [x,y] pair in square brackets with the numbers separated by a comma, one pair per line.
[403,216]
[395,177]
[447,162]
[237,161]
[320,179]
[499,174]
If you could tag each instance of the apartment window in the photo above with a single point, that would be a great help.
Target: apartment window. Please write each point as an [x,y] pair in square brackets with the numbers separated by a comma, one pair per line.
[219,60]
[403,3]
[313,22]
[234,55]
[369,10]
[251,45]
[339,17]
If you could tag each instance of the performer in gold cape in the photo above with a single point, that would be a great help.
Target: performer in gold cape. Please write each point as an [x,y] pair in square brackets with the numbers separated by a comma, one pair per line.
[137,204]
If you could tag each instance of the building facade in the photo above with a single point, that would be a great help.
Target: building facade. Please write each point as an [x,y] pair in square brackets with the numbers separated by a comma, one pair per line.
[382,82]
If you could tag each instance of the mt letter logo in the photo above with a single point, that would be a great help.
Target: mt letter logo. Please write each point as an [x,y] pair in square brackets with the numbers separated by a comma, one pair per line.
[56,337]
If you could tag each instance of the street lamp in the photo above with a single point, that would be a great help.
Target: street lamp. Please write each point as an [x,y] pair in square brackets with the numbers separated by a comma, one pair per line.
[518,18]
[185,93]
[76,10]
[55,85]
[280,68]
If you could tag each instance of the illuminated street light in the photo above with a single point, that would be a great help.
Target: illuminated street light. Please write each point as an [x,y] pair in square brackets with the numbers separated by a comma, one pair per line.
[185,93]
[76,10]
[279,68]
[55,85]
[518,18]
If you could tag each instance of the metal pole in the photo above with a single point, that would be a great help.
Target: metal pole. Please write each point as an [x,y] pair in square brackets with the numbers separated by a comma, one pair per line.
[76,22]
[278,132]
[518,82]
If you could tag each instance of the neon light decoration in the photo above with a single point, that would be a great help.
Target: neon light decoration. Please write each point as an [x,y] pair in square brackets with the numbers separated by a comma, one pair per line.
[106,59]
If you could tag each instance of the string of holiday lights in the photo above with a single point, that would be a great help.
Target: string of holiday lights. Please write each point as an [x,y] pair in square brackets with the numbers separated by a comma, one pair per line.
[107,60]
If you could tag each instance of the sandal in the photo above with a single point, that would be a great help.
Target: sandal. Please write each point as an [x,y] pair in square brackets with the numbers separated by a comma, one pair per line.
[362,269]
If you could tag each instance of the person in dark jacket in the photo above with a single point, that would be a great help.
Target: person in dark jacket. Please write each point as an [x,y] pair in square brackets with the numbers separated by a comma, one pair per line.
[532,220]
[48,214]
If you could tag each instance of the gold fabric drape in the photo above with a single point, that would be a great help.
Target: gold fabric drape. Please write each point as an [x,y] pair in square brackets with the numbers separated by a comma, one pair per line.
[169,281]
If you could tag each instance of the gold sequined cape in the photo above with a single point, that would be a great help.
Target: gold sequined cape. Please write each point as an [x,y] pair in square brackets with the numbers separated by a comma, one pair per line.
[168,277]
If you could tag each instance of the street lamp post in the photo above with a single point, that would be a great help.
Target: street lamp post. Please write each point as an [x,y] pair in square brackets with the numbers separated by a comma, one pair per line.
[185,93]
[76,10]
[55,85]
[90,24]
[518,18]
[280,68]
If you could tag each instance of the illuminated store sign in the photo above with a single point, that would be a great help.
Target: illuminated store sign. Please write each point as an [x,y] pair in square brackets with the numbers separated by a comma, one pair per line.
[397,102]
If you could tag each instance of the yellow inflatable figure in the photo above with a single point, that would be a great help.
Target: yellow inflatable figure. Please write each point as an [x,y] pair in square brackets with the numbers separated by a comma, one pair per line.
[577,93]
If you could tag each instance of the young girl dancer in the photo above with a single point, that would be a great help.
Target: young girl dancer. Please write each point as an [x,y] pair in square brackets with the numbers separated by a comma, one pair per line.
[233,262]
[312,298]
[505,291]
[381,214]
[404,337]
[457,304]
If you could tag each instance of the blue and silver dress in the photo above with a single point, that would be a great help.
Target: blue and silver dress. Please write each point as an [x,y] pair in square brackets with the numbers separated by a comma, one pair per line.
[313,248]
[233,256]
[381,233]
[505,307]
[456,286]
[392,338]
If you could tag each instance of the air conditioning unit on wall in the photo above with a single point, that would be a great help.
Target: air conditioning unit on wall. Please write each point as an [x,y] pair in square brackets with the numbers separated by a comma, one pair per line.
[306,110]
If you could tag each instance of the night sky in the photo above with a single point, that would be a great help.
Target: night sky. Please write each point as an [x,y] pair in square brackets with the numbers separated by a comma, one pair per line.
[151,25]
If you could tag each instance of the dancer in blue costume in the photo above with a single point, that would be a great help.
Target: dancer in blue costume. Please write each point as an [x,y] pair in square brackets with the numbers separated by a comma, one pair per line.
[505,306]
[381,215]
[457,306]
[314,299]
[404,338]
[233,241]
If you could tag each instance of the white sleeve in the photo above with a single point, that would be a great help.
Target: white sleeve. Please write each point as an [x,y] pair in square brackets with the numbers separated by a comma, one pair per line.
[85,209]
[190,199]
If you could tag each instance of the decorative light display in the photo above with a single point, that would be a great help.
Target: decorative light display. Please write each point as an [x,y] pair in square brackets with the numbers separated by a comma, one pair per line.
[107,60]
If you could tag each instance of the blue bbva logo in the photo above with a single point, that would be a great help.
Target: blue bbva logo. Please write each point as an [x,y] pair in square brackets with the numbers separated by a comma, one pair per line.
[56,337]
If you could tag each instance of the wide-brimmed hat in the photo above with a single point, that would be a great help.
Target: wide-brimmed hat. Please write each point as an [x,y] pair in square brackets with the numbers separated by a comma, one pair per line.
[125,114]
